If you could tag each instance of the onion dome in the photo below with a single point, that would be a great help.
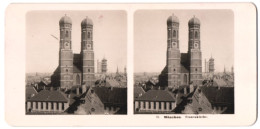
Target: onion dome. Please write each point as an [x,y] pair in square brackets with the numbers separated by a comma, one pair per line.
[211,59]
[104,59]
[65,20]
[172,19]
[86,21]
[194,21]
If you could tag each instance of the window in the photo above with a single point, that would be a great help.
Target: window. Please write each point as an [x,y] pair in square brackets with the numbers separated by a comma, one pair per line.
[174,33]
[144,105]
[88,34]
[41,105]
[154,105]
[200,109]
[62,106]
[196,69]
[88,70]
[67,70]
[149,105]
[196,34]
[67,33]
[36,105]
[160,106]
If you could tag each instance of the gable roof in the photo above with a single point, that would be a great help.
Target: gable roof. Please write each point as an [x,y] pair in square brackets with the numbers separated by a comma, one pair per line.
[219,82]
[30,91]
[76,69]
[77,63]
[184,63]
[138,91]
[221,96]
[112,96]
[112,82]
[184,69]
[49,96]
[157,95]
[77,59]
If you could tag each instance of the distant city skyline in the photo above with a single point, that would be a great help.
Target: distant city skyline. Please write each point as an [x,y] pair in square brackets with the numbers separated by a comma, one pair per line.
[42,38]
[150,37]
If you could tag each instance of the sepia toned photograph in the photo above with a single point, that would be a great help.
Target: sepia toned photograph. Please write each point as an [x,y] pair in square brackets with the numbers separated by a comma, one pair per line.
[188,66]
[76,62]
[110,65]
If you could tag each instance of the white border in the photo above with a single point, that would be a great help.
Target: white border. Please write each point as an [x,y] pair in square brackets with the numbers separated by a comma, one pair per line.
[245,46]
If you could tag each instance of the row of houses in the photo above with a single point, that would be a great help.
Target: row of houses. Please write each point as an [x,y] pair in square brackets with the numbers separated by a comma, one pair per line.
[185,100]
[77,100]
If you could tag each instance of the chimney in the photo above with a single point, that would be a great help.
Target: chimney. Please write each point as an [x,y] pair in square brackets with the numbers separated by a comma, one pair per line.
[77,90]
[185,90]
[191,87]
[84,89]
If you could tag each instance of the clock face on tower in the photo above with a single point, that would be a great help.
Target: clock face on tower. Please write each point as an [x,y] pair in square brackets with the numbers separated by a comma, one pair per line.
[66,45]
[174,44]
[88,46]
[196,45]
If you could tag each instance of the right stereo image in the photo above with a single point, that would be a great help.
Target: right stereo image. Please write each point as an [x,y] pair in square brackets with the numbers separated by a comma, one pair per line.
[183,62]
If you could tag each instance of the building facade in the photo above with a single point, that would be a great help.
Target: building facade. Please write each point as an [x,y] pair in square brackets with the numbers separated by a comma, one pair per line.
[74,69]
[47,102]
[155,101]
[182,68]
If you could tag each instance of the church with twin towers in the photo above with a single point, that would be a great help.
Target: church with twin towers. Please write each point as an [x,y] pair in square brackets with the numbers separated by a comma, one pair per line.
[182,68]
[75,69]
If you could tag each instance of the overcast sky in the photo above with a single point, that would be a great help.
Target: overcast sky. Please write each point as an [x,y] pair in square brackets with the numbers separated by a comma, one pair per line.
[150,37]
[109,37]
